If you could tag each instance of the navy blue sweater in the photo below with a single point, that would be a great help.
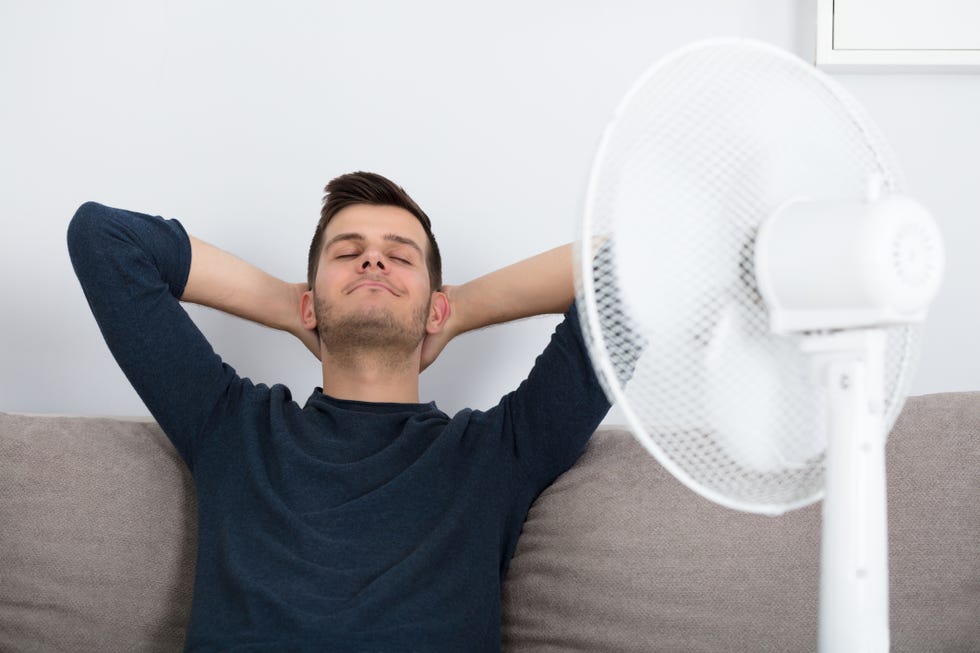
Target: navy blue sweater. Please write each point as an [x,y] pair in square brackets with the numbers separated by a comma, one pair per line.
[333,525]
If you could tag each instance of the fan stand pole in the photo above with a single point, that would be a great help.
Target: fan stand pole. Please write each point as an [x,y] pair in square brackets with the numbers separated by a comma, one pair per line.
[854,545]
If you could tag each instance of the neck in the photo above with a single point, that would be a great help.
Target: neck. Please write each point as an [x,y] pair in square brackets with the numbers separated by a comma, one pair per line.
[376,375]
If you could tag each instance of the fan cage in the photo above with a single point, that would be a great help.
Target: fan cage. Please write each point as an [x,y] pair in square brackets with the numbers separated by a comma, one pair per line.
[707,143]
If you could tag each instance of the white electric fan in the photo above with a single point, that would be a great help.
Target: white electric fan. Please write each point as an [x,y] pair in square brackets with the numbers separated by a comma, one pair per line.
[751,283]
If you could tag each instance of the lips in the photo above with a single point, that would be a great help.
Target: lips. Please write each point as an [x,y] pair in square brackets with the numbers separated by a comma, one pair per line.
[373,284]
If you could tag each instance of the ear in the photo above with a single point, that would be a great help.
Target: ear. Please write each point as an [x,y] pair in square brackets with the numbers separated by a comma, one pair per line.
[307,310]
[440,311]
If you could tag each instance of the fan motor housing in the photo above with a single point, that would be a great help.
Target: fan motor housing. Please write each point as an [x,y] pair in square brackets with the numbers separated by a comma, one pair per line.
[823,265]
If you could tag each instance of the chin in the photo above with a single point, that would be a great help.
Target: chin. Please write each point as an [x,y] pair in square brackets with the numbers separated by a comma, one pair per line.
[369,323]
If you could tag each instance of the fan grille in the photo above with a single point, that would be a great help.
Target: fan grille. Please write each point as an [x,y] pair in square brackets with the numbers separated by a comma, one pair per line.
[707,144]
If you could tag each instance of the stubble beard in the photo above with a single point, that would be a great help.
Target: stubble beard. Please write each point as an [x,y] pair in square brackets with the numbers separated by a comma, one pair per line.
[372,331]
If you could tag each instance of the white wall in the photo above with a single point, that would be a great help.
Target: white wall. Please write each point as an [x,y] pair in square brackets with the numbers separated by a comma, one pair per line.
[233,115]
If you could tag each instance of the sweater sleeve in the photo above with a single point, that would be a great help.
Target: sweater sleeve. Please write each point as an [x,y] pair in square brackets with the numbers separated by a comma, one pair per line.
[554,412]
[132,268]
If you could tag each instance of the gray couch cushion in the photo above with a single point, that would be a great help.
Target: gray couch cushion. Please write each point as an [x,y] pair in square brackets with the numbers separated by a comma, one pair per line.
[98,532]
[617,555]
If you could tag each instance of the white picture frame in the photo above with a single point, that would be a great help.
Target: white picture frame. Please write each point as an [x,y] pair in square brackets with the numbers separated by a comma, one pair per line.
[898,36]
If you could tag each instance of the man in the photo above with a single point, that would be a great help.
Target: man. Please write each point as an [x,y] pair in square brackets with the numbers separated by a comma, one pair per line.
[362,520]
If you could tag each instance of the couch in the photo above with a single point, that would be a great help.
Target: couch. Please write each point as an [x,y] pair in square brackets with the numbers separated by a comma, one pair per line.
[98,532]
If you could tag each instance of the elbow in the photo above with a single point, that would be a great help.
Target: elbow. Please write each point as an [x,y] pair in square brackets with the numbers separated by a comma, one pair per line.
[84,229]
[83,223]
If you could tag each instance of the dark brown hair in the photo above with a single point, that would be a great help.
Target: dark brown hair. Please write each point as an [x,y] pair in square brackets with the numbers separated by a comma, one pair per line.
[370,188]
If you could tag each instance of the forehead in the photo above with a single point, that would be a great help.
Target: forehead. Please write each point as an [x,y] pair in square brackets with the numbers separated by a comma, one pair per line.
[375,222]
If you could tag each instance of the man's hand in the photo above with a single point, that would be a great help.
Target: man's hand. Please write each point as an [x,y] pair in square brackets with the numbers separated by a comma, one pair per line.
[227,283]
[538,285]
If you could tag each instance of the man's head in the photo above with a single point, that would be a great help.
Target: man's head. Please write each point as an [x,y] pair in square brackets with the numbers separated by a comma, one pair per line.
[374,271]
[372,189]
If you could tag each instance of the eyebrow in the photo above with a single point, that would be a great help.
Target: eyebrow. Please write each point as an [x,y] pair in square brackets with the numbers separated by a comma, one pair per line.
[395,238]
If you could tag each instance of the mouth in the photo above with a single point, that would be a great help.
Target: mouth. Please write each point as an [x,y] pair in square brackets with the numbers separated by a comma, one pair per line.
[373,285]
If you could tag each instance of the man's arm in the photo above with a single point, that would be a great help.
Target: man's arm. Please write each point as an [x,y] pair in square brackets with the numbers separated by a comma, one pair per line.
[540,285]
[133,267]
[220,280]
[555,410]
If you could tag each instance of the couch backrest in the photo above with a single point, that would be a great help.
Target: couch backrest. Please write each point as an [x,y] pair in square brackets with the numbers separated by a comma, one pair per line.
[98,536]
[617,555]
[98,532]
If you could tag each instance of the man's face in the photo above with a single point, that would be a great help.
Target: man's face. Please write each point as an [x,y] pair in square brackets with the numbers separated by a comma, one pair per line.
[372,285]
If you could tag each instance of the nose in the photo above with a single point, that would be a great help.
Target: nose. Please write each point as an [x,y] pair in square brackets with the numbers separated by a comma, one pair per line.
[376,261]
